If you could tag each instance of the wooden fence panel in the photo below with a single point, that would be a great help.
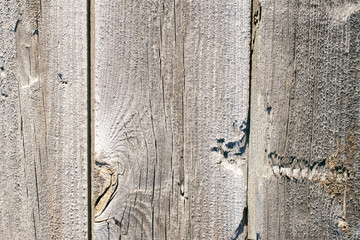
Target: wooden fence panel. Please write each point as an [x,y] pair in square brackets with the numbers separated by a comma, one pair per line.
[304,145]
[171,119]
[171,101]
[43,120]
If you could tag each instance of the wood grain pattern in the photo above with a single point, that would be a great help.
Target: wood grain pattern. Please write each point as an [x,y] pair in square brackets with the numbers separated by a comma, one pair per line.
[171,89]
[305,123]
[171,112]
[43,119]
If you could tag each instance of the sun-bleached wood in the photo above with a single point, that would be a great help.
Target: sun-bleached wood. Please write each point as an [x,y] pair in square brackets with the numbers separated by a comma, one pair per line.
[43,120]
[305,123]
[171,119]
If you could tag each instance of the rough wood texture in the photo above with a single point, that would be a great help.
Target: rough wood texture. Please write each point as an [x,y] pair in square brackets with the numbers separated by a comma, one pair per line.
[304,170]
[171,118]
[43,79]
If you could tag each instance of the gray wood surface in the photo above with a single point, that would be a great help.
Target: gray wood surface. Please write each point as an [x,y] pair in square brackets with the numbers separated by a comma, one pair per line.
[171,112]
[304,143]
[43,120]
[172,116]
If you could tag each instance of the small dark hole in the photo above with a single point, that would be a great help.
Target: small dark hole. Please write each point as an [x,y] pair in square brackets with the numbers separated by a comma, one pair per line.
[269,110]
[230,145]
[214,149]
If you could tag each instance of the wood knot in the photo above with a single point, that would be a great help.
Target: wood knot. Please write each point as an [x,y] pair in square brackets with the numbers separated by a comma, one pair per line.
[105,184]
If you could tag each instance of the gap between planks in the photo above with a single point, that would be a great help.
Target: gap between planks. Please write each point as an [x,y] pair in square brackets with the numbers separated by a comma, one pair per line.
[90,108]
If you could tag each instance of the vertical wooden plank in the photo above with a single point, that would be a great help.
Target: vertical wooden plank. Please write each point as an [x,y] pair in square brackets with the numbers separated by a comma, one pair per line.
[43,120]
[305,121]
[171,119]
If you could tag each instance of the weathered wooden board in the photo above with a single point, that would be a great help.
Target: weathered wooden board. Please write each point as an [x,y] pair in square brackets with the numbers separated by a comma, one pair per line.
[171,119]
[305,123]
[43,119]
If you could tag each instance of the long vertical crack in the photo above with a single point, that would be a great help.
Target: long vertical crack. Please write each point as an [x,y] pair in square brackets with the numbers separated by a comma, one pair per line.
[255,11]
[249,112]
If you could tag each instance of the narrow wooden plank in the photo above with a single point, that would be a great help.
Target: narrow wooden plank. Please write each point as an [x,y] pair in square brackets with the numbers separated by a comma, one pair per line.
[304,163]
[171,112]
[43,120]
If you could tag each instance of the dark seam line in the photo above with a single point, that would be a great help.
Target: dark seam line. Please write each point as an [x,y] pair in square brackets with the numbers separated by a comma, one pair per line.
[251,45]
[89,118]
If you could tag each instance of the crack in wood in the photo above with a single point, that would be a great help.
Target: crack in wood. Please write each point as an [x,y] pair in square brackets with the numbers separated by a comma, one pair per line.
[105,185]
